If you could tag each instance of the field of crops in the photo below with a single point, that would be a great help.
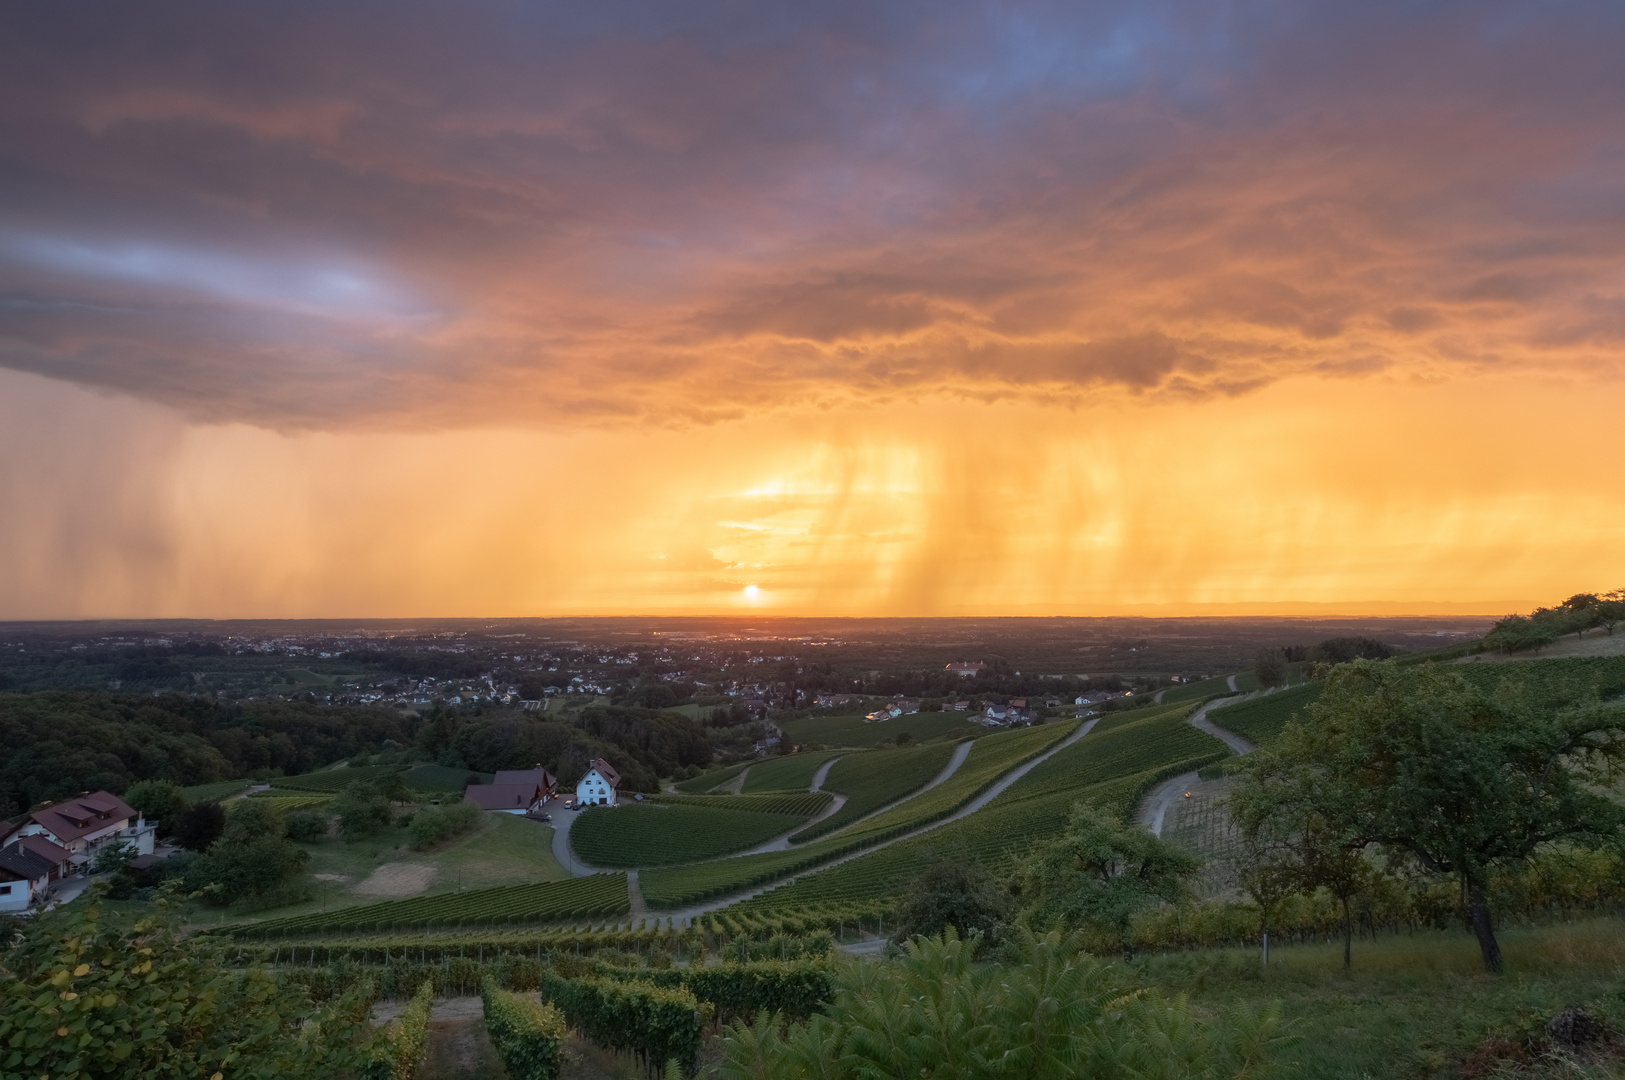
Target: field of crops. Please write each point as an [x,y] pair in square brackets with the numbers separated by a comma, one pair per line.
[284,802]
[1196,691]
[1137,751]
[854,731]
[872,779]
[224,789]
[630,836]
[591,897]
[1260,720]
[712,778]
[331,780]
[792,773]
[990,758]
[440,778]
[804,804]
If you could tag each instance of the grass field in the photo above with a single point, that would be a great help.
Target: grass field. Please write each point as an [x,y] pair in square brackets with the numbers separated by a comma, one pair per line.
[853,731]
[792,773]
[1260,720]
[632,836]
[874,778]
[712,778]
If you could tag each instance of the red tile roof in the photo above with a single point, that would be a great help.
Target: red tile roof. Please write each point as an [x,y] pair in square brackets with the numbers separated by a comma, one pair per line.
[70,820]
[502,796]
[606,772]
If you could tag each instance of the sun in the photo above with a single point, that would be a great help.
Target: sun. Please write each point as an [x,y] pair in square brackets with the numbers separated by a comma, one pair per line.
[752,592]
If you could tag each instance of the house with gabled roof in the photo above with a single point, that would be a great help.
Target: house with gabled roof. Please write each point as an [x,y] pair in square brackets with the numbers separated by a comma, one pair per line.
[24,877]
[597,788]
[514,791]
[82,825]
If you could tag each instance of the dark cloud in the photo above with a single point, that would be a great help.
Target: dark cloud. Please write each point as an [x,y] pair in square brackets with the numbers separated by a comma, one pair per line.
[318,215]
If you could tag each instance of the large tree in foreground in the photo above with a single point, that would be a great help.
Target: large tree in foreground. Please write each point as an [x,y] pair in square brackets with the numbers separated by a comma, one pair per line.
[1421,761]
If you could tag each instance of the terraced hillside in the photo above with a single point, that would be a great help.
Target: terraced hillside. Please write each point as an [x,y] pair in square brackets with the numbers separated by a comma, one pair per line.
[855,731]
[633,836]
[874,778]
[793,772]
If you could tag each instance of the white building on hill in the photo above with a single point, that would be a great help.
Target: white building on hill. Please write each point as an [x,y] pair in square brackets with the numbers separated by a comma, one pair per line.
[597,788]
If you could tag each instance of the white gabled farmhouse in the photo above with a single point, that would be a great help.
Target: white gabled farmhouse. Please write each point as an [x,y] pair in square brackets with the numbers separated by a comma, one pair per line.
[597,788]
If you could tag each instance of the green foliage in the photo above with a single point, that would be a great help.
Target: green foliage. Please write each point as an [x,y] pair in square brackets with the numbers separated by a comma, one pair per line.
[87,995]
[332,781]
[246,869]
[642,744]
[440,778]
[1053,1014]
[200,825]
[216,792]
[950,895]
[539,902]
[158,800]
[793,772]
[529,1034]
[1261,719]
[433,824]
[1543,626]
[1101,872]
[795,803]
[1269,668]
[307,825]
[1424,763]
[626,836]
[113,857]
[656,1023]
[363,809]
[873,779]
[252,819]
[60,743]
[404,1044]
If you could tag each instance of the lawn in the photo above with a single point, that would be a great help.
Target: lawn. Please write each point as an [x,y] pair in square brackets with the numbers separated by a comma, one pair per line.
[854,731]
[791,773]
[1414,1005]
[630,836]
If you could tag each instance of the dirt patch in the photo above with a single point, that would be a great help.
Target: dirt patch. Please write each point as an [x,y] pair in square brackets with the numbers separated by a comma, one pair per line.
[397,879]
[331,877]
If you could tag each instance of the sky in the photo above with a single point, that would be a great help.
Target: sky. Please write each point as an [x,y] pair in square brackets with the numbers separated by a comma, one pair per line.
[948,308]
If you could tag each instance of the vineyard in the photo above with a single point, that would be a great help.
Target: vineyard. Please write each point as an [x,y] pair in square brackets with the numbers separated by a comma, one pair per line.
[331,781]
[873,779]
[857,732]
[1260,720]
[629,836]
[990,758]
[796,803]
[792,773]
[283,802]
[224,789]
[538,902]
[1135,752]
[1218,686]
[441,778]
[713,779]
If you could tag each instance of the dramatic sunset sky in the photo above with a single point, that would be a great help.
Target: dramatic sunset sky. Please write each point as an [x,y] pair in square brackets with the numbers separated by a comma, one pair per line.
[396,309]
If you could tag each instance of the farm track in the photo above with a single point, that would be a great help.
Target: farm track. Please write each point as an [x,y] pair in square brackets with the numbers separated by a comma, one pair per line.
[1155,808]
[683,917]
[821,775]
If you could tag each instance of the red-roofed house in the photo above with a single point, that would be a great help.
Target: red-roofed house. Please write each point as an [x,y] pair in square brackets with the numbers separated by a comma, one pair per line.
[514,791]
[597,788]
[83,825]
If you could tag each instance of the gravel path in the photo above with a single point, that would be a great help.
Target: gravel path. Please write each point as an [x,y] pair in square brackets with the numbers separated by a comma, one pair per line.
[1230,681]
[1156,805]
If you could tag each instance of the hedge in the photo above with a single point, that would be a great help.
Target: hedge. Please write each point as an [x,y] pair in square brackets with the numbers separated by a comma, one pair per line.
[528,1033]
[659,1024]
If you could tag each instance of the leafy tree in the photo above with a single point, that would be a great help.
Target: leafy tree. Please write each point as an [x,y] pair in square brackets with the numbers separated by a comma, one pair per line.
[200,825]
[363,809]
[1102,872]
[307,825]
[1611,610]
[159,801]
[257,871]
[96,996]
[1420,761]
[950,895]
[1270,668]
[1055,1013]
[252,819]
[113,857]
[436,823]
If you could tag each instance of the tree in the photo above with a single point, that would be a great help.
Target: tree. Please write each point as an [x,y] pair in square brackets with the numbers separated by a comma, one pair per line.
[1611,610]
[113,857]
[252,819]
[362,809]
[200,825]
[1101,872]
[159,801]
[950,895]
[1270,668]
[1420,761]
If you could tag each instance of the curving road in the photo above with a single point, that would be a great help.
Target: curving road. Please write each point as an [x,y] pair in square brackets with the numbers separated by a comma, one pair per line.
[1155,807]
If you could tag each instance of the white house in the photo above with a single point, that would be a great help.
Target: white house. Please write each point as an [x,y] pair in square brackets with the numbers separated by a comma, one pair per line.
[597,788]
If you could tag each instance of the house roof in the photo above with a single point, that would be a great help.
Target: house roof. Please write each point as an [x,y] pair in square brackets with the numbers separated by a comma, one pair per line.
[39,845]
[538,776]
[23,864]
[70,820]
[607,772]
[502,796]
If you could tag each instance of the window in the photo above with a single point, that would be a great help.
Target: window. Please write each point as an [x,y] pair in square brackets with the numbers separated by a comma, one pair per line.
[5,890]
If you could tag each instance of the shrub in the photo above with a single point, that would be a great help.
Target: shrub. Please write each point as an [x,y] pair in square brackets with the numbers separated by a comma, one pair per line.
[436,823]
[405,1042]
[159,801]
[529,1034]
[200,825]
[656,1023]
[307,825]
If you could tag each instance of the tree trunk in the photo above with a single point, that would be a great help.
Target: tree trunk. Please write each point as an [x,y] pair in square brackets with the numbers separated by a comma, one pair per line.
[1348,936]
[1478,917]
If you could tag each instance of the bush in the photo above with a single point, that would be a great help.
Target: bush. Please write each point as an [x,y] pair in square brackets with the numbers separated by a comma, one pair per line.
[529,1034]
[232,872]
[363,809]
[405,1042]
[656,1023]
[307,825]
[436,823]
